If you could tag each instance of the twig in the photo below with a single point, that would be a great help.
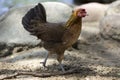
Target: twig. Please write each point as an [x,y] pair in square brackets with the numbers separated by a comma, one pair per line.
[42,75]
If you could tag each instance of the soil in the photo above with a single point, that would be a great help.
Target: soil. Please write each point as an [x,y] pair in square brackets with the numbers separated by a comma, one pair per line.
[98,60]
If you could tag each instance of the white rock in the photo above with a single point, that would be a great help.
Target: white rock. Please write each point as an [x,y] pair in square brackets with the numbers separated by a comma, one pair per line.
[12,31]
[114,8]
[95,11]
[110,27]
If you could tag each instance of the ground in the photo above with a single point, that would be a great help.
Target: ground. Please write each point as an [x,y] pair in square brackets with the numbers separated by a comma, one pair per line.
[96,60]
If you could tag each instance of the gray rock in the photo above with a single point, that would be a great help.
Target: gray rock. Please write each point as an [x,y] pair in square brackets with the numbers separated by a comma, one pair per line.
[12,31]
[114,8]
[110,27]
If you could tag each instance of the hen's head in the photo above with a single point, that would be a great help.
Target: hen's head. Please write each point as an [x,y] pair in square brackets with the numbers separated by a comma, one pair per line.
[79,12]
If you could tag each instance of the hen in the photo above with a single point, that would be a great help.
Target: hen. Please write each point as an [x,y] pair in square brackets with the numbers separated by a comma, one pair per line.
[56,37]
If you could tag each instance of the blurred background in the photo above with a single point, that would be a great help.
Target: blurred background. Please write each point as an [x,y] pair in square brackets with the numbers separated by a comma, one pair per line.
[5,5]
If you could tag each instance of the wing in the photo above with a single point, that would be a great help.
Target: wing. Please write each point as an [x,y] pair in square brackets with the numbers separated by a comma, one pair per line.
[35,14]
[35,22]
[50,32]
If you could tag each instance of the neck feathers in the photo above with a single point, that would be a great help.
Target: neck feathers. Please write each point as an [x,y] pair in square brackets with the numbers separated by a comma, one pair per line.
[72,20]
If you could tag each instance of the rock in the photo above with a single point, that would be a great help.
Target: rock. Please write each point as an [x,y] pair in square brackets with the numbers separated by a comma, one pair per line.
[110,27]
[113,9]
[57,12]
[94,10]
[95,13]
[12,31]
[5,50]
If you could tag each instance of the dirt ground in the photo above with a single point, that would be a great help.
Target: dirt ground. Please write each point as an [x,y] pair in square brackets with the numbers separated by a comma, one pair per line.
[93,61]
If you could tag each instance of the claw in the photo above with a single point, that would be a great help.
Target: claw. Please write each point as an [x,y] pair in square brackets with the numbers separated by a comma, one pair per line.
[43,63]
[61,66]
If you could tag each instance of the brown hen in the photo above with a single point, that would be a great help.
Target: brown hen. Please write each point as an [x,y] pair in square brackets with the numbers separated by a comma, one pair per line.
[56,37]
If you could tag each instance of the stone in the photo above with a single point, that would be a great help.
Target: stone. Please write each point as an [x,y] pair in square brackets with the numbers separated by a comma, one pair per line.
[110,27]
[113,9]
[110,24]
[90,26]
[12,31]
[94,10]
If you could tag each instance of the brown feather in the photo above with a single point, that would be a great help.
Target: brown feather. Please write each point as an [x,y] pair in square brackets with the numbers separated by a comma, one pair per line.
[56,37]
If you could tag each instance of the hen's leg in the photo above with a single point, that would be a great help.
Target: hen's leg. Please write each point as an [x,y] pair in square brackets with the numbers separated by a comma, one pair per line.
[44,62]
[61,66]
[59,58]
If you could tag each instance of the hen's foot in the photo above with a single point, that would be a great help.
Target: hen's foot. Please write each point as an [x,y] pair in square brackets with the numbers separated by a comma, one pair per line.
[44,64]
[62,68]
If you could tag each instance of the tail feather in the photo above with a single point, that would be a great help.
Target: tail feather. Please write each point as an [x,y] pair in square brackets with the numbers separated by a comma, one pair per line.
[37,13]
